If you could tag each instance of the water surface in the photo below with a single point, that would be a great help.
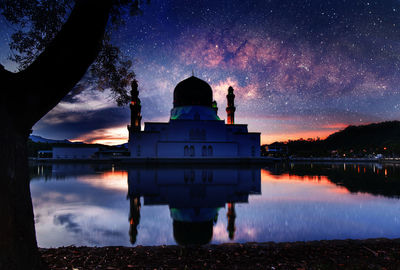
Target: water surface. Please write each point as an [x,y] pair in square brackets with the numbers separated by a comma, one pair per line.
[101,205]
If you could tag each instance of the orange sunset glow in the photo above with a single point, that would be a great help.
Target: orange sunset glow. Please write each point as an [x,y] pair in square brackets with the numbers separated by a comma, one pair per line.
[114,180]
[270,138]
[119,135]
[108,136]
[320,180]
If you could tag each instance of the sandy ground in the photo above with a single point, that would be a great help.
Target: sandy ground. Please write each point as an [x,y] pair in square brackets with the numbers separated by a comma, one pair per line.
[333,254]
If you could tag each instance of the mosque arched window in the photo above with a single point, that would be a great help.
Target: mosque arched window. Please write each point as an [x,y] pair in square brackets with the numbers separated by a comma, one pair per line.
[210,150]
[192,153]
[204,151]
[186,150]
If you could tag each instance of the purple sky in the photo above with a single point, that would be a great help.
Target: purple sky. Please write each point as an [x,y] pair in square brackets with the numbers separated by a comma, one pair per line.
[299,68]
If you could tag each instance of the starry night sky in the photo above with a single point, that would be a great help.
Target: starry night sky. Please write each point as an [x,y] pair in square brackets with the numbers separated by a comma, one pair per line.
[299,68]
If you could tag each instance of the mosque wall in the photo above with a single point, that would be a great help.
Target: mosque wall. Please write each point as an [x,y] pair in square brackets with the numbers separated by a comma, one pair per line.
[193,139]
[192,130]
[197,149]
[249,144]
[144,144]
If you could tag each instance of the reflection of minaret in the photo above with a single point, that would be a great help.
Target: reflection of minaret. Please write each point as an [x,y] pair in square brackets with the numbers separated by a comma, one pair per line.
[135,108]
[134,218]
[230,108]
[231,214]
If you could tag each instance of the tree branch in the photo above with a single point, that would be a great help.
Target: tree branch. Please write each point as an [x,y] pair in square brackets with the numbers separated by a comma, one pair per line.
[63,63]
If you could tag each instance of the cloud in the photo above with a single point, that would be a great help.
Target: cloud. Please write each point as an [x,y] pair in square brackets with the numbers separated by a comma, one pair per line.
[108,136]
[246,92]
[74,124]
[67,220]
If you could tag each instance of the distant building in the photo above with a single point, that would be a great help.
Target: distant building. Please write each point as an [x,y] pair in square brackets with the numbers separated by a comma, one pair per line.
[45,154]
[275,149]
[83,151]
[112,153]
[194,129]
[75,152]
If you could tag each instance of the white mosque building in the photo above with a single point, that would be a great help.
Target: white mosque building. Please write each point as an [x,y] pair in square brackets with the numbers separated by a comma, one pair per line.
[194,129]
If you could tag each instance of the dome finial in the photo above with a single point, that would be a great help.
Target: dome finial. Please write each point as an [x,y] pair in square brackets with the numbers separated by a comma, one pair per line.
[192,72]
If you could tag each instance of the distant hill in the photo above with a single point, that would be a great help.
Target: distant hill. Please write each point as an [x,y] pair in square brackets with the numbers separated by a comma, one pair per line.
[36,143]
[372,135]
[124,145]
[40,139]
[357,141]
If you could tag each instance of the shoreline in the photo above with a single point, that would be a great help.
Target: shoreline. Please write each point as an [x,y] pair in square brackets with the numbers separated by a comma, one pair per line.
[345,160]
[216,160]
[378,253]
[168,161]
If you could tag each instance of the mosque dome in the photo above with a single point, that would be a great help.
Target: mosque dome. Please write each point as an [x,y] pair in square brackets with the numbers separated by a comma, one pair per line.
[191,92]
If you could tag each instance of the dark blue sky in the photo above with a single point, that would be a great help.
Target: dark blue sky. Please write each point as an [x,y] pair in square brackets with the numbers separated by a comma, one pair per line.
[299,68]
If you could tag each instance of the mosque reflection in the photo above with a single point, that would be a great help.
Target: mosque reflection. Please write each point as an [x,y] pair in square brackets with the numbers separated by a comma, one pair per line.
[194,196]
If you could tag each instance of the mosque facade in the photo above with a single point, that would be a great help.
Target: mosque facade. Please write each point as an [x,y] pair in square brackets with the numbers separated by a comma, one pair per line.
[194,129]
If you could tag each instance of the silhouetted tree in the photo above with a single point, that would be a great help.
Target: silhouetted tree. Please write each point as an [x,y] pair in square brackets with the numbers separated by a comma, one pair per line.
[353,141]
[63,39]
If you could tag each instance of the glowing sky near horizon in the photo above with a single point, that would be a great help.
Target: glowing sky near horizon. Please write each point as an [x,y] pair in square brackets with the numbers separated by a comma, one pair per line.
[299,68]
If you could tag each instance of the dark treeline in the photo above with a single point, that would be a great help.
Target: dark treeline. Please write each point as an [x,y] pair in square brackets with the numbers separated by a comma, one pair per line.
[354,141]
[34,147]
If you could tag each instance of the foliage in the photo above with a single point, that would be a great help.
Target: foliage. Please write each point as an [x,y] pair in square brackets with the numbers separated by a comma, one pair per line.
[34,147]
[354,141]
[36,23]
[113,72]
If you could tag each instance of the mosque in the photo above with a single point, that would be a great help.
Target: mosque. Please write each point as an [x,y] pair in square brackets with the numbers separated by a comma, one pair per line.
[194,129]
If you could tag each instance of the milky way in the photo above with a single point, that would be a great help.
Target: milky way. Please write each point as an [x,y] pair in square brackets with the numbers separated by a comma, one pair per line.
[299,68]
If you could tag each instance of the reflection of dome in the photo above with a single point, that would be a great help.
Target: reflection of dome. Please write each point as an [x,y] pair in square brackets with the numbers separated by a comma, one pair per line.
[193,226]
[193,233]
[193,91]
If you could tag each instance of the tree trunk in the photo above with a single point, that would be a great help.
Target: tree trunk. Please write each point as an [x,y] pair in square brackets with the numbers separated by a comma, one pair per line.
[18,247]
[25,97]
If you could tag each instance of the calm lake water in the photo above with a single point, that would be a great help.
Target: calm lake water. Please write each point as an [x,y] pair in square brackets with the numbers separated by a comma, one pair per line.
[101,205]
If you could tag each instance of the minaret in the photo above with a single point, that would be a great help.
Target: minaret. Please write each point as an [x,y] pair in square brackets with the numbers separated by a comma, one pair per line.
[230,108]
[135,108]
